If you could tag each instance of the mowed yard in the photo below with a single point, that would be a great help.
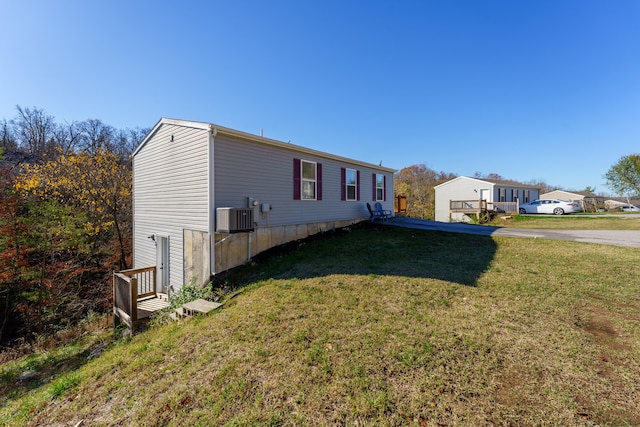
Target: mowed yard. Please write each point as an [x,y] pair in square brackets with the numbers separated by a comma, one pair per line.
[379,326]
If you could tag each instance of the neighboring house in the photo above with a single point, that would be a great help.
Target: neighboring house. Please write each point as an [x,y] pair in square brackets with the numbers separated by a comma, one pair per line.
[207,198]
[471,191]
[615,203]
[588,202]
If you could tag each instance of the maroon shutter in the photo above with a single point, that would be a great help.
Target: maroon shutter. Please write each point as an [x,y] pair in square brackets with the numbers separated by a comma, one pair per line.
[384,188]
[358,185]
[374,187]
[319,181]
[343,184]
[296,179]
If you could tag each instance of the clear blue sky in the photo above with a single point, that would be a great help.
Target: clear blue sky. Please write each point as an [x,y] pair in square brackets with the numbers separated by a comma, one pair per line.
[540,89]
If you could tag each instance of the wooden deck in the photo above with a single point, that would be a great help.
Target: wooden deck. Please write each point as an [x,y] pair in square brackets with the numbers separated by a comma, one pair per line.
[135,298]
[149,305]
[481,208]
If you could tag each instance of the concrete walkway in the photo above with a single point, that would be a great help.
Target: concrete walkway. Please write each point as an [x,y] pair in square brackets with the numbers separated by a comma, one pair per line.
[606,237]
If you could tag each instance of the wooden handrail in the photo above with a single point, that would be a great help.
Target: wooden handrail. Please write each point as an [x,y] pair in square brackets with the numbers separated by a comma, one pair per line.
[125,297]
[467,205]
[146,280]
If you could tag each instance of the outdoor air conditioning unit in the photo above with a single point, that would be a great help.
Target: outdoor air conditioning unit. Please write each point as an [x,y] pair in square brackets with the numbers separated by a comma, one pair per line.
[234,220]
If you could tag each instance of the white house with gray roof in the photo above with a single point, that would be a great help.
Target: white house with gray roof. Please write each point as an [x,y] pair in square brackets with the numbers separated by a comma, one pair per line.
[464,188]
[207,198]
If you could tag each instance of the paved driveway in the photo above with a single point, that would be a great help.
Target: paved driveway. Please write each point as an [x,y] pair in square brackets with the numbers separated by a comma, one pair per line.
[605,237]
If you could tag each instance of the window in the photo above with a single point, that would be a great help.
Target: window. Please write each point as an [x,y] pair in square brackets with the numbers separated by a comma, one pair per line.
[350,182]
[307,180]
[503,194]
[514,195]
[526,196]
[379,190]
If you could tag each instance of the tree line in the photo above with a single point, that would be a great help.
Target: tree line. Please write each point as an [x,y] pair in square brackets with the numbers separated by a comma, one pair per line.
[65,219]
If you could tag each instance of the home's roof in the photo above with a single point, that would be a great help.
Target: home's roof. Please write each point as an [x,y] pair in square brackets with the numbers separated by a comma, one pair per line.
[509,183]
[506,183]
[221,130]
[575,193]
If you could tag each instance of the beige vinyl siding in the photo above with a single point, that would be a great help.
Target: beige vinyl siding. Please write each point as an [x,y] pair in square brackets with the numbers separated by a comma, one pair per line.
[170,193]
[250,169]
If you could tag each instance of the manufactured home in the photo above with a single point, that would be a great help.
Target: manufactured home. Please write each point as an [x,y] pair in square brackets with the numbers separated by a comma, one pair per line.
[458,199]
[207,198]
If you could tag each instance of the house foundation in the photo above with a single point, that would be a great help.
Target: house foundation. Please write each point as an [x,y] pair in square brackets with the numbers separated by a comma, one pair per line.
[234,249]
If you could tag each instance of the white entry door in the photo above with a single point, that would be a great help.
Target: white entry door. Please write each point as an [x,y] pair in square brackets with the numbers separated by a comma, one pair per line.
[484,194]
[162,264]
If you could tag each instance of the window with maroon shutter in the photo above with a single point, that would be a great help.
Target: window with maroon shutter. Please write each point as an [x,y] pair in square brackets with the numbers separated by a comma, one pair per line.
[307,180]
[379,187]
[351,184]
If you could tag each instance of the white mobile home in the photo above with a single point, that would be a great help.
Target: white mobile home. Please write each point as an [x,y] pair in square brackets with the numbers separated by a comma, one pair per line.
[206,198]
[493,192]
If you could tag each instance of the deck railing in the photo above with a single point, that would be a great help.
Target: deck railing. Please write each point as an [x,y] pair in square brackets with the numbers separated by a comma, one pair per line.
[128,287]
[470,206]
[125,298]
[506,207]
[146,280]
[476,206]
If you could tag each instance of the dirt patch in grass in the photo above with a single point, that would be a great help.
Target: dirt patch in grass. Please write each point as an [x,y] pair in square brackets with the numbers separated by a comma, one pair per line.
[600,324]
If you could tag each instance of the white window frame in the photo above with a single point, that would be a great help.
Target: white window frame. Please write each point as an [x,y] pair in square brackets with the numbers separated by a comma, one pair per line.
[304,180]
[526,196]
[379,187]
[502,194]
[353,185]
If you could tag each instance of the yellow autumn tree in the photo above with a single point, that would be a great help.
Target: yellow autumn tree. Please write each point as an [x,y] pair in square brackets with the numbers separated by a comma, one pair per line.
[417,182]
[99,184]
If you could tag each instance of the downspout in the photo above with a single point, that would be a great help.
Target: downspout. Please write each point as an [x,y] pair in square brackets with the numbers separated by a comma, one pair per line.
[212,248]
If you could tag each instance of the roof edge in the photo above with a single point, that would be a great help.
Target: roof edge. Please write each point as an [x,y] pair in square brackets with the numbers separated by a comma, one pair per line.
[255,138]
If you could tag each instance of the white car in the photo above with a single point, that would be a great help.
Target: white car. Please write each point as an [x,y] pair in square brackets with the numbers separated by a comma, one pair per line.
[550,206]
[629,208]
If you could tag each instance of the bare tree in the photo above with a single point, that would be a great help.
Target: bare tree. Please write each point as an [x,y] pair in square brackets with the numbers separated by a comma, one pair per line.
[7,138]
[34,130]
[126,141]
[67,136]
[95,136]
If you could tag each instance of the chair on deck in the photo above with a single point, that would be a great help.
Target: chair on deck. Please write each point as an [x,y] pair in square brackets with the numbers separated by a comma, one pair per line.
[373,215]
[383,213]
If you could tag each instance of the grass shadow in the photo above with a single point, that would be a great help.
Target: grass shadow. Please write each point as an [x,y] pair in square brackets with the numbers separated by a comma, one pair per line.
[374,249]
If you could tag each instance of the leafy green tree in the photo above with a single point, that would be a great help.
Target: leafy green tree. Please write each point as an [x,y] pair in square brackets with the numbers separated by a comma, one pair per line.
[624,176]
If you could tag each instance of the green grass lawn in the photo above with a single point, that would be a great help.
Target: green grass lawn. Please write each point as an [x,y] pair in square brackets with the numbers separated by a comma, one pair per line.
[568,222]
[379,326]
